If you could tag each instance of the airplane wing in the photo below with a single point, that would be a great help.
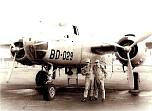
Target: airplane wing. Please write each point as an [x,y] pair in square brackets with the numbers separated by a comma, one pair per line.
[5,45]
[105,48]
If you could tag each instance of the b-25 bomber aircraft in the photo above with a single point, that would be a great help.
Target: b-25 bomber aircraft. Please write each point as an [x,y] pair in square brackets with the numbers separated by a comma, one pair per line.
[72,52]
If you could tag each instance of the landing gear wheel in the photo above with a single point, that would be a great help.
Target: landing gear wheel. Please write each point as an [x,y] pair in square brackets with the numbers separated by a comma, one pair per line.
[41,78]
[49,92]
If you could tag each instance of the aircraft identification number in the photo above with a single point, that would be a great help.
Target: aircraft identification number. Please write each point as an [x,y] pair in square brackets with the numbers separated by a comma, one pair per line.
[57,54]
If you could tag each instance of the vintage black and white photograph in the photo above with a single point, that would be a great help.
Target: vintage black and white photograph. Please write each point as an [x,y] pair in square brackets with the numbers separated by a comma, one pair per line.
[75,55]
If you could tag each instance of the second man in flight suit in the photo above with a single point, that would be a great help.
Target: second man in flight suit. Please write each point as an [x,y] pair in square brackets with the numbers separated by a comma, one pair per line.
[100,74]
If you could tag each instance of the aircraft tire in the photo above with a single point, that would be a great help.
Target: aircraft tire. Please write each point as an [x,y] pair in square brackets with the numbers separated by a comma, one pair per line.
[49,92]
[41,78]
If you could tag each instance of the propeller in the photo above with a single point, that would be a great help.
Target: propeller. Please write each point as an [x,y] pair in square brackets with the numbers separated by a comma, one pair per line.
[136,42]
[14,50]
[11,69]
[128,49]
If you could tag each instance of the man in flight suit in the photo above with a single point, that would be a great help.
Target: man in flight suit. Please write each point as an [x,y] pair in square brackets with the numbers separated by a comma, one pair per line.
[89,81]
[100,74]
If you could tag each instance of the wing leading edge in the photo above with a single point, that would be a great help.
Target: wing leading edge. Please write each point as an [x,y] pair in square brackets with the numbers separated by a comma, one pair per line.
[102,49]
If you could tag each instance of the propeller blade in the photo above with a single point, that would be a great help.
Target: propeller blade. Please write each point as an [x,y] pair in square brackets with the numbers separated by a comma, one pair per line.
[141,39]
[11,69]
[115,44]
[130,73]
[16,49]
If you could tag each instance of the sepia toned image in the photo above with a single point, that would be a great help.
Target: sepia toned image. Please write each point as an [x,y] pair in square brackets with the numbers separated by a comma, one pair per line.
[79,55]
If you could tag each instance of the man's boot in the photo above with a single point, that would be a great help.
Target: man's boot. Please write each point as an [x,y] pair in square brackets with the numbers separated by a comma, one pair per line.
[83,99]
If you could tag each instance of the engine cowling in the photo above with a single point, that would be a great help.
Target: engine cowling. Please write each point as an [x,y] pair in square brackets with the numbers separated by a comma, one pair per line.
[18,49]
[137,53]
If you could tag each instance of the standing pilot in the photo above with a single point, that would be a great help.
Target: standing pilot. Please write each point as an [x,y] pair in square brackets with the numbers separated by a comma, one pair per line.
[89,81]
[100,74]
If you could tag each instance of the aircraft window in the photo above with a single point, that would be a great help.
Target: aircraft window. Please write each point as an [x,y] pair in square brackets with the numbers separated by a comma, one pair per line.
[76,32]
[40,50]
[43,46]
[67,36]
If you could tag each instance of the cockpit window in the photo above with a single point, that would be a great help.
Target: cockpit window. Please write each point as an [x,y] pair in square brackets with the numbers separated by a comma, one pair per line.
[76,32]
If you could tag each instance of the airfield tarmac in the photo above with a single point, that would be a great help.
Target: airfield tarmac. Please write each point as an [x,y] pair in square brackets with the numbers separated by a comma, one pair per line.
[20,93]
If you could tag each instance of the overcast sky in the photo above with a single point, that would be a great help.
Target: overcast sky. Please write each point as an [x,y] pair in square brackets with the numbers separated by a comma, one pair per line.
[96,18]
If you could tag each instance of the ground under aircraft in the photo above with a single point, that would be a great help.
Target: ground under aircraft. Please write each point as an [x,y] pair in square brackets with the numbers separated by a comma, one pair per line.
[71,52]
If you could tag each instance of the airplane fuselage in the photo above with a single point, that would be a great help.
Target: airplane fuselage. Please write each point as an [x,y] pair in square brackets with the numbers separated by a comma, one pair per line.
[60,52]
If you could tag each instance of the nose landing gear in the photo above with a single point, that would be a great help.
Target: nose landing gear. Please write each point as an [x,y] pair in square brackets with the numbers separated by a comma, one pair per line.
[44,81]
[49,91]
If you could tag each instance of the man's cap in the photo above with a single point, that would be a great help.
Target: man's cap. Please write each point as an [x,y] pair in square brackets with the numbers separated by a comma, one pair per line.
[88,61]
[97,61]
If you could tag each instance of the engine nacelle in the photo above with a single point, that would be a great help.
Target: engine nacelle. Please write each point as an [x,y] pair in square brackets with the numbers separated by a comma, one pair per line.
[137,53]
